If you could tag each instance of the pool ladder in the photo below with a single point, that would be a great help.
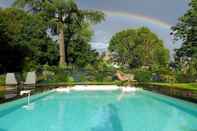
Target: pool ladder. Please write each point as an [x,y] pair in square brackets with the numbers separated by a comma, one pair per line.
[28,92]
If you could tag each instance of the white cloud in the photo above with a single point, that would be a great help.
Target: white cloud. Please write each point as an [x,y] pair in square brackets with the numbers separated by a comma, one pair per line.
[99,46]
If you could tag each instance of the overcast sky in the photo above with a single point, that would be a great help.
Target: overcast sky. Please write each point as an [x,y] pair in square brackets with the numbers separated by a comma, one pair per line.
[158,15]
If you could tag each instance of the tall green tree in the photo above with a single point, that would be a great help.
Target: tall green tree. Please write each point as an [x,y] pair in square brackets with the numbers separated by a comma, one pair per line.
[24,41]
[186,31]
[10,54]
[67,17]
[80,51]
[138,47]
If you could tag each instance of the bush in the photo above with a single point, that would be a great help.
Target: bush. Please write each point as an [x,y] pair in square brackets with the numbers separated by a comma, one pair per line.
[104,75]
[53,74]
[101,72]
[2,79]
[143,75]
[168,78]
[82,78]
[185,78]
[2,88]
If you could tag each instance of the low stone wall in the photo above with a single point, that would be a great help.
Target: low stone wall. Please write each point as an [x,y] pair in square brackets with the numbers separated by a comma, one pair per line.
[185,94]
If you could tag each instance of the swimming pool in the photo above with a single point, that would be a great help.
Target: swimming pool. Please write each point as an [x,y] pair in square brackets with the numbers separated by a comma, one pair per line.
[99,111]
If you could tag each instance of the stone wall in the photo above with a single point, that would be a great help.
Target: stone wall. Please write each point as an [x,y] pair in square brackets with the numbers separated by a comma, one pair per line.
[185,94]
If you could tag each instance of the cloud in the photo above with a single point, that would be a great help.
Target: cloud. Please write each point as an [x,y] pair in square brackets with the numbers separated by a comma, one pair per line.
[99,46]
[5,3]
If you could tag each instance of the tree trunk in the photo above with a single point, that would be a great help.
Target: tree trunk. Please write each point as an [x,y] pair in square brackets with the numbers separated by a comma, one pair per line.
[61,47]
[66,53]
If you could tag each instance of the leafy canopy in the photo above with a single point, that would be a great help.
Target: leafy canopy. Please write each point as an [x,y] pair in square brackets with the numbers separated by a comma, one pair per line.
[186,30]
[138,47]
[67,16]
[24,41]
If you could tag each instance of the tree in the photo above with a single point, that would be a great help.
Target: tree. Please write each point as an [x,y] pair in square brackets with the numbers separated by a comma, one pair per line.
[80,52]
[24,41]
[67,17]
[138,47]
[186,31]
[10,54]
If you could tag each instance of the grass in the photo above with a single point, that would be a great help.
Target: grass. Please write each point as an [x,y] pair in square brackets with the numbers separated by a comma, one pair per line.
[2,89]
[186,86]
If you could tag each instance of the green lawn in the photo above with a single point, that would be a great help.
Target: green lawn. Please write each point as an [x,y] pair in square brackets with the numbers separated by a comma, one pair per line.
[2,89]
[188,86]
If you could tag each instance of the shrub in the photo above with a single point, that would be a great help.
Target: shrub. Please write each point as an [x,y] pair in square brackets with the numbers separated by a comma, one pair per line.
[2,88]
[2,79]
[61,75]
[82,78]
[180,77]
[168,78]
[143,75]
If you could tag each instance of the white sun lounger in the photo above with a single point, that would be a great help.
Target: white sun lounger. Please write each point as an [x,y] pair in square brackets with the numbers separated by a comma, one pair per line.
[30,80]
[11,85]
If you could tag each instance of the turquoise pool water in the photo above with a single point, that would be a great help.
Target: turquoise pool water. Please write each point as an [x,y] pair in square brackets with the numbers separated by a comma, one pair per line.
[99,111]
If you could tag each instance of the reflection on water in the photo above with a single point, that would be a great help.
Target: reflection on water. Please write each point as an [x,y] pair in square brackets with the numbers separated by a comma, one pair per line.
[48,98]
[111,120]
[29,107]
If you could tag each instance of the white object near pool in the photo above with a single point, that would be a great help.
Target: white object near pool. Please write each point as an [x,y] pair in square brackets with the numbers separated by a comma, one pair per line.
[10,79]
[30,78]
[129,89]
[28,92]
[25,92]
[63,89]
[11,85]
[95,88]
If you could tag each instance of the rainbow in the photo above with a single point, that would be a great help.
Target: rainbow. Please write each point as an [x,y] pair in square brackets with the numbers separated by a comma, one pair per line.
[139,17]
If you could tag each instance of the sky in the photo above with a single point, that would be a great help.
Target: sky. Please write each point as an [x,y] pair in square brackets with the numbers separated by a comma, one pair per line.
[158,15]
